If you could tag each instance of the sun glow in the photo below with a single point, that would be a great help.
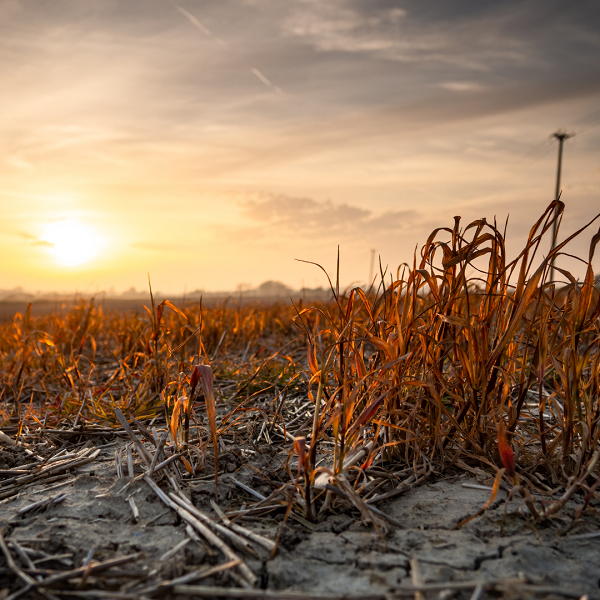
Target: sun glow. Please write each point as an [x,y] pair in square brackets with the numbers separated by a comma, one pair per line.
[72,243]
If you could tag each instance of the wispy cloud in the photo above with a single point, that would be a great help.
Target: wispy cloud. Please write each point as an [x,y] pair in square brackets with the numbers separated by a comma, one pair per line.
[308,217]
[462,86]
[194,21]
[35,241]
[266,81]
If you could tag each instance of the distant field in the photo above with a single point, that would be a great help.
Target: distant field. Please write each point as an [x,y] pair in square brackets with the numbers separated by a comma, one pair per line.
[39,308]
[46,307]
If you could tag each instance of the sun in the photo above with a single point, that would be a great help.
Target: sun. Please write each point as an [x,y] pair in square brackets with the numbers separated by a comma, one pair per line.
[71,242]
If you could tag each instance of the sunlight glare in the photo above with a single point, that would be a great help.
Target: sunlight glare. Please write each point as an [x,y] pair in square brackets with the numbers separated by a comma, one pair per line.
[72,243]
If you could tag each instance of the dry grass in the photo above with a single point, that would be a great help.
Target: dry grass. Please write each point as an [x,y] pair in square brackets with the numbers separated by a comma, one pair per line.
[425,371]
[75,370]
[436,363]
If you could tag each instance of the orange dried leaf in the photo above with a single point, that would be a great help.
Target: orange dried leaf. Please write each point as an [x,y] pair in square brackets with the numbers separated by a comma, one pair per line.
[173,307]
[300,449]
[175,420]
[493,495]
[312,359]
[187,465]
[382,345]
[452,320]
[367,414]
[370,459]
[506,454]
[194,379]
[360,365]
[209,397]
[159,312]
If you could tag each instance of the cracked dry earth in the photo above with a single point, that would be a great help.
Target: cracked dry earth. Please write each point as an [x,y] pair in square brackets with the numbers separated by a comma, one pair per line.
[336,557]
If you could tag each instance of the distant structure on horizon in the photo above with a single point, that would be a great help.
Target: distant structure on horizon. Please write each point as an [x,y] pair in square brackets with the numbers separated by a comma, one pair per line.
[272,290]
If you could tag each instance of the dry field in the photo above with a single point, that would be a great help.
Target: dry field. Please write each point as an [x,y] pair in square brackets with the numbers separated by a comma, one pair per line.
[424,438]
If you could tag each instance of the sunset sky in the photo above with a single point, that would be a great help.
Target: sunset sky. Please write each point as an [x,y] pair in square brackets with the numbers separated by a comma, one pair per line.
[212,143]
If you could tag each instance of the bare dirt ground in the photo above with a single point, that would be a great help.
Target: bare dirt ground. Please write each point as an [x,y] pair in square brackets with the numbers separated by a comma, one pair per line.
[87,519]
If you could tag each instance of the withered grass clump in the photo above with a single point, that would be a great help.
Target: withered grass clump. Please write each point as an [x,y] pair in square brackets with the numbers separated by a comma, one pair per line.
[459,354]
[75,370]
[463,343]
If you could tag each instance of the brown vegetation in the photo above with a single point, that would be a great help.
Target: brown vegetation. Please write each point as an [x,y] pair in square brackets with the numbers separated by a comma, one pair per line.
[424,371]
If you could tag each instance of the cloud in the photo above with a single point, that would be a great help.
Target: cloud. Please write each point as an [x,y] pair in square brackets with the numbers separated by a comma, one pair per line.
[117,80]
[461,86]
[337,26]
[192,19]
[308,217]
[35,241]
[264,80]
[477,36]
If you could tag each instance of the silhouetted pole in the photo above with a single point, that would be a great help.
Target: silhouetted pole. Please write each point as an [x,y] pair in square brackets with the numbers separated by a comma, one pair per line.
[561,137]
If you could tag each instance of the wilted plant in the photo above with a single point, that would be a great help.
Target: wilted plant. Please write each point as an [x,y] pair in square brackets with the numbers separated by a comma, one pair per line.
[431,366]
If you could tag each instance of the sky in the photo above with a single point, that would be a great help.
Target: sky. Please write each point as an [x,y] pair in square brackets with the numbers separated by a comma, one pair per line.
[212,143]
